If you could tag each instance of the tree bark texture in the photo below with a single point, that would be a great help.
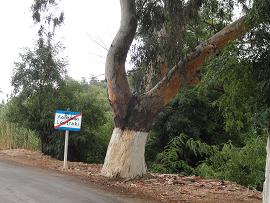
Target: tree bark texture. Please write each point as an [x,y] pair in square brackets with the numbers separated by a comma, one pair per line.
[125,154]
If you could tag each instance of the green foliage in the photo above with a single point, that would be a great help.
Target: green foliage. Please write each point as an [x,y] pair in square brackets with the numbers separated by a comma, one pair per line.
[242,74]
[191,113]
[179,155]
[236,99]
[243,165]
[35,112]
[260,13]
[38,70]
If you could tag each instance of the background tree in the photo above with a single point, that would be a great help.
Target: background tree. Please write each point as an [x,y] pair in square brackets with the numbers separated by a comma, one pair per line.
[38,75]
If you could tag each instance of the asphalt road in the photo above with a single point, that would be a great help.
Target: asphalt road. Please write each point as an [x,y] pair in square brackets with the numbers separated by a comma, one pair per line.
[22,184]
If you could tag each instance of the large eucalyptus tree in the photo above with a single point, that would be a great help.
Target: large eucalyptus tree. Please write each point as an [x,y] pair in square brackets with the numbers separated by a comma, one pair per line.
[135,114]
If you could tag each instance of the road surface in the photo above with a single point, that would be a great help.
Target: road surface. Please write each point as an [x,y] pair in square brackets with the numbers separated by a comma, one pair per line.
[22,184]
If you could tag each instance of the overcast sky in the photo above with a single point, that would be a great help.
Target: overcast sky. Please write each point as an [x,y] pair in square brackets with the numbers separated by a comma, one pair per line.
[84,21]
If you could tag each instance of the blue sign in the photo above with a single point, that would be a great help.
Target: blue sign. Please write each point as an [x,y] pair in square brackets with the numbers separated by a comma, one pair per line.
[67,120]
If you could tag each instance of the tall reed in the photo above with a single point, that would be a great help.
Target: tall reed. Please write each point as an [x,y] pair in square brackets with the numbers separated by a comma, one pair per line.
[13,136]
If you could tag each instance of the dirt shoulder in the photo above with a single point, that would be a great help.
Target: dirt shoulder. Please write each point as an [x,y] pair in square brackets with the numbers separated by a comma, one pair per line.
[157,187]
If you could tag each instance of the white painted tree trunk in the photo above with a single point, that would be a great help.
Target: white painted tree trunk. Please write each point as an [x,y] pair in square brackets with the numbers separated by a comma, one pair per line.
[125,154]
[266,184]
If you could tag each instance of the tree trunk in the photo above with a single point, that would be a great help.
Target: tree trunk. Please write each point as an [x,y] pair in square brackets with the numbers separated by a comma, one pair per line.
[125,154]
[266,184]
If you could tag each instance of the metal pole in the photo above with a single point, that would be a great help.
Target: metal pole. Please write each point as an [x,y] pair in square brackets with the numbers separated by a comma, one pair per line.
[66,149]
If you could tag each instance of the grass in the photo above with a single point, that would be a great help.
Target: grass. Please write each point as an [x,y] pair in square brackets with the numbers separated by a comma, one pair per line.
[12,136]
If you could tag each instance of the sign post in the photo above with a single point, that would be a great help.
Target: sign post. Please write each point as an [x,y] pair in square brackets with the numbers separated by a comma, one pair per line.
[68,121]
[66,149]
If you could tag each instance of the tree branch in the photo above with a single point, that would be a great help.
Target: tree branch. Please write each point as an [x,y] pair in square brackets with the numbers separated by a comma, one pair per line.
[99,43]
[118,89]
[186,71]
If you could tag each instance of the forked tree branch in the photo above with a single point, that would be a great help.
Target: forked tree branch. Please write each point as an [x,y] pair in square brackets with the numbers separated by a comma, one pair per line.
[186,71]
[139,112]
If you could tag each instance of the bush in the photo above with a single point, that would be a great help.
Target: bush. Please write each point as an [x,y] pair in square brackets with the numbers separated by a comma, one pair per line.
[243,165]
[181,155]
